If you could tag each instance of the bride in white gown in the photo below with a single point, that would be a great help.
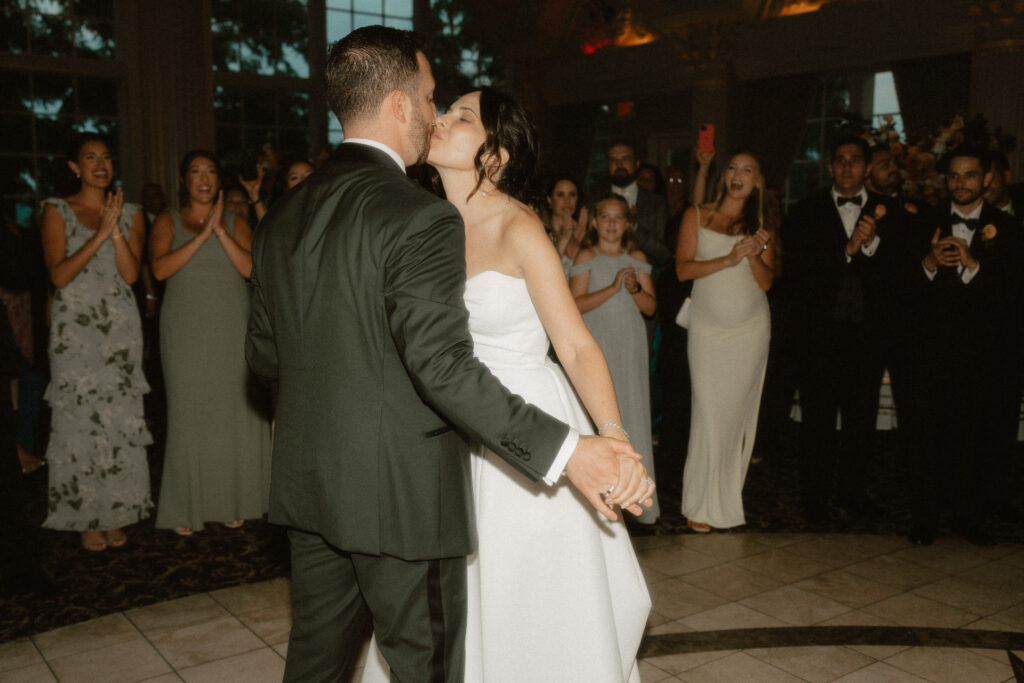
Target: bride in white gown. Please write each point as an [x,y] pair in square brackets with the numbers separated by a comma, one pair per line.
[555,592]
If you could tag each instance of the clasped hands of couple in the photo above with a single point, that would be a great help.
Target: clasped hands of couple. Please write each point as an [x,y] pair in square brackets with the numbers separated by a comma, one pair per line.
[609,472]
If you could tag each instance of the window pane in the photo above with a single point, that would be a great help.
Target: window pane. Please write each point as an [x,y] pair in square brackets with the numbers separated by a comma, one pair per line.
[361,20]
[293,60]
[293,108]
[229,143]
[335,136]
[398,8]
[95,39]
[53,135]
[14,86]
[16,132]
[53,94]
[339,4]
[256,17]
[292,23]
[51,35]
[97,96]
[253,138]
[227,105]
[13,32]
[810,148]
[339,25]
[224,18]
[97,9]
[55,178]
[16,175]
[254,55]
[837,97]
[94,124]
[293,141]
[49,6]
[803,180]
[258,107]
[371,6]
[225,55]
[394,22]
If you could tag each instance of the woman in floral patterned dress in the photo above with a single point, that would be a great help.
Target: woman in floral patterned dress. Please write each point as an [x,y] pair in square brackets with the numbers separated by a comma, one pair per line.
[92,244]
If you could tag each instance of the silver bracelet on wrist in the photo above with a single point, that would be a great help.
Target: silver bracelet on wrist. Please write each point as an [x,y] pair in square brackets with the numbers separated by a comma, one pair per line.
[613,424]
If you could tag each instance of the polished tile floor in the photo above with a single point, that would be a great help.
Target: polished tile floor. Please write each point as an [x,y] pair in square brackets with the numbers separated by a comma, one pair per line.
[699,584]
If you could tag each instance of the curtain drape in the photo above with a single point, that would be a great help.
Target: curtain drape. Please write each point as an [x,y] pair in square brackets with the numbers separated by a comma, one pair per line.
[773,115]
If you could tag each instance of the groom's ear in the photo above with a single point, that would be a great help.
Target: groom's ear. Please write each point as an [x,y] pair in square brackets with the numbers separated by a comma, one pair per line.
[396,105]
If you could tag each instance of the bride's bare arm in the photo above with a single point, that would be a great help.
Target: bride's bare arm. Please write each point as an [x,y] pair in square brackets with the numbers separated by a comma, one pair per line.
[538,262]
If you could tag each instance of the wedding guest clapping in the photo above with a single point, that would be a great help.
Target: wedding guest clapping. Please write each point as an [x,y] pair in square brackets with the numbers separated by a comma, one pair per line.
[92,243]
[216,463]
[564,219]
[729,252]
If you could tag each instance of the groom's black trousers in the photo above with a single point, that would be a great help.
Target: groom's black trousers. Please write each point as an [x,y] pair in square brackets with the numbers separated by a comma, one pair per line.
[418,610]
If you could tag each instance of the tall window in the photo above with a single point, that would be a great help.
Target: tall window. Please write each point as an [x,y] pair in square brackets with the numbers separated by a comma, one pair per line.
[68,85]
[810,168]
[263,88]
[60,28]
[884,101]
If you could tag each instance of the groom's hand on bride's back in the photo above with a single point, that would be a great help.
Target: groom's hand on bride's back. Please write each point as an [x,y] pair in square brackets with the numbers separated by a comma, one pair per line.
[608,472]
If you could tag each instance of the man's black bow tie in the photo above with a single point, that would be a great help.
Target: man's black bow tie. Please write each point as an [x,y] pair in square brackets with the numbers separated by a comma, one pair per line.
[971,224]
[856,199]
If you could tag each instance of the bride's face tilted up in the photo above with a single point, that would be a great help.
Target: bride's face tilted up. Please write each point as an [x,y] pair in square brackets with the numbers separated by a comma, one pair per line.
[458,134]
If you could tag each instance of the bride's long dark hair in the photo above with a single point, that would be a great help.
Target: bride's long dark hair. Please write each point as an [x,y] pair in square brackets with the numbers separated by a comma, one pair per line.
[509,127]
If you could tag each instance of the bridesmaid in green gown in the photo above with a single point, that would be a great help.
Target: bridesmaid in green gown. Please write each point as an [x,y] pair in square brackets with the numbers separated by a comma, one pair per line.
[92,245]
[217,460]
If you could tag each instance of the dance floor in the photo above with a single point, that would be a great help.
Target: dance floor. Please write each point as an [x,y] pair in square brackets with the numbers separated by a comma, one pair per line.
[751,606]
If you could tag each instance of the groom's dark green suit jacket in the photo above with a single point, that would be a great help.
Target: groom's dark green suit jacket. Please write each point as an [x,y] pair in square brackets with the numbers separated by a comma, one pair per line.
[357,315]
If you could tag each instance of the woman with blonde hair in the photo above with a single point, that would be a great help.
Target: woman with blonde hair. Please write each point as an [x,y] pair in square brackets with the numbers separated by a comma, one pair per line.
[729,252]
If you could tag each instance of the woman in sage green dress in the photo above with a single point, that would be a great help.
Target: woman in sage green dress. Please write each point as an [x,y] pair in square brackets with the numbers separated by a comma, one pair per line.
[92,244]
[217,459]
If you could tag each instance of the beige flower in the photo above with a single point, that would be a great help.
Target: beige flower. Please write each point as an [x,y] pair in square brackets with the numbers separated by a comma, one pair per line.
[988,232]
[879,211]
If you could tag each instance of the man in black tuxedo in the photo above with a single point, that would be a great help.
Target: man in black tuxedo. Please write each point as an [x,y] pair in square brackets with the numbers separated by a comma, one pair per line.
[357,315]
[966,289]
[843,254]
[1002,415]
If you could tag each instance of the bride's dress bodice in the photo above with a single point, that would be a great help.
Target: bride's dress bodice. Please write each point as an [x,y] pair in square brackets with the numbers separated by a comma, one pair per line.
[503,322]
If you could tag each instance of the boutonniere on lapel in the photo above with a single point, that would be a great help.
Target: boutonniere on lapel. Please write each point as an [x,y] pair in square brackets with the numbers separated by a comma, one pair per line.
[910,207]
[879,212]
[988,233]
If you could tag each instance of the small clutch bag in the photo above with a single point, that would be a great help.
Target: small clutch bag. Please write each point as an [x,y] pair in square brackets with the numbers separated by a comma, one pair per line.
[683,316]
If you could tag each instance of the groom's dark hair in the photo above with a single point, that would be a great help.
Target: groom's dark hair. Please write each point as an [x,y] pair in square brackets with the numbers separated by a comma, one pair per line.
[366,65]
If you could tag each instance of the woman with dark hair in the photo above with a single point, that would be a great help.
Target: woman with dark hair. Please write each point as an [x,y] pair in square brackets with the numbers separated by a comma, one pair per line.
[563,219]
[554,591]
[216,463]
[728,249]
[611,282]
[289,174]
[92,244]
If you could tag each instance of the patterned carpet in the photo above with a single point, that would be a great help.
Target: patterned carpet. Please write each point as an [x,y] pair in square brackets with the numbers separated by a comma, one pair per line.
[157,565]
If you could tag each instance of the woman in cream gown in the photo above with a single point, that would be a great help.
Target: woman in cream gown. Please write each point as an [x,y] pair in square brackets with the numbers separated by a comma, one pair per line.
[555,592]
[729,253]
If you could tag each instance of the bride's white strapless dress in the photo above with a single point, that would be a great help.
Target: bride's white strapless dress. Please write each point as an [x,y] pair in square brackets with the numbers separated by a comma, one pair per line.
[555,592]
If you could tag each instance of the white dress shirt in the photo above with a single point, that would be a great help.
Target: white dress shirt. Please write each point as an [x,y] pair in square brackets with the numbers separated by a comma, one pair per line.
[849,213]
[629,193]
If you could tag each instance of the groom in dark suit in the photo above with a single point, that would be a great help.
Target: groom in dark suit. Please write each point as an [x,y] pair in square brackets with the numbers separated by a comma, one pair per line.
[966,302]
[843,254]
[357,315]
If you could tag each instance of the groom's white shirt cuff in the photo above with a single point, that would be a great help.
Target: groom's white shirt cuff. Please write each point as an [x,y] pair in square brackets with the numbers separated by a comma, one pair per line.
[562,459]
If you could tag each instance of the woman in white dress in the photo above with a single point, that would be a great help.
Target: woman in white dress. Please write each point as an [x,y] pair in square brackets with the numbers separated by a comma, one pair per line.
[729,252]
[555,592]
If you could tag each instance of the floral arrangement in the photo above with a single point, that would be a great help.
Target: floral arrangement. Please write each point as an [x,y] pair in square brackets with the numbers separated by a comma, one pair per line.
[920,163]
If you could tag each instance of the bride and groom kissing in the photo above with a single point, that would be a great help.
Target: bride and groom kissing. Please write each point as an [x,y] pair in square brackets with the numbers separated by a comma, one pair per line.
[359,316]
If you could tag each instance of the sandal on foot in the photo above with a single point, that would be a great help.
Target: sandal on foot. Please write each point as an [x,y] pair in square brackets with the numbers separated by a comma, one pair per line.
[116,538]
[237,524]
[182,530]
[699,527]
[94,541]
